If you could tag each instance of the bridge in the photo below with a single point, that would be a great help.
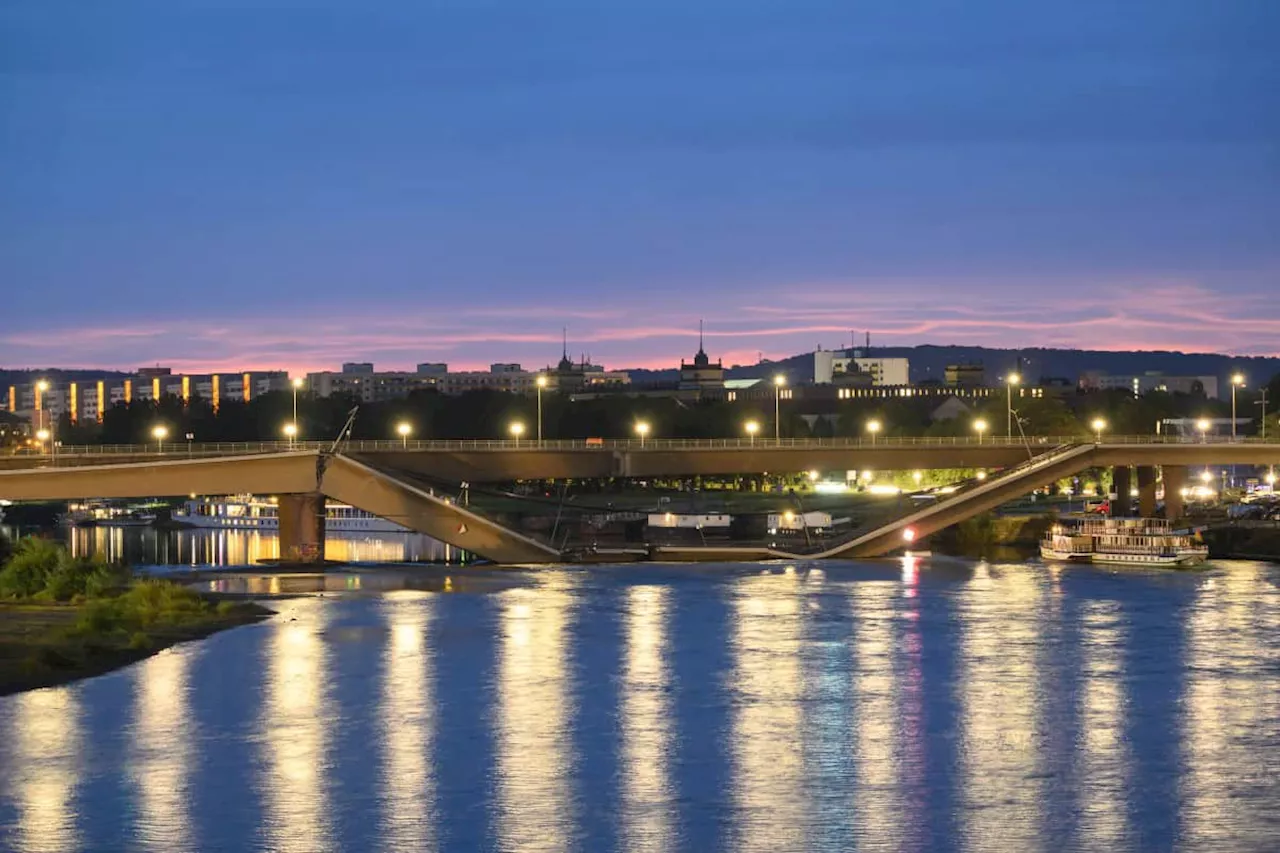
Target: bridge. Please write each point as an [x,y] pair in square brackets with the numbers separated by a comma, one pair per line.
[386,478]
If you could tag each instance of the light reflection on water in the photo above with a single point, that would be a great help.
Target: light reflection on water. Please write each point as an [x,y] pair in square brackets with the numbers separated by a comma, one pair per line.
[161,751]
[149,546]
[933,706]
[42,765]
[296,724]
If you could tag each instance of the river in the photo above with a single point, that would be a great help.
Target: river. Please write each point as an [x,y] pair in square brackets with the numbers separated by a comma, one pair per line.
[917,704]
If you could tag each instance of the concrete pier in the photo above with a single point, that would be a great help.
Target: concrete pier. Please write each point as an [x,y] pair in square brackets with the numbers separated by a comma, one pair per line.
[302,528]
[1122,504]
[1146,491]
[1175,480]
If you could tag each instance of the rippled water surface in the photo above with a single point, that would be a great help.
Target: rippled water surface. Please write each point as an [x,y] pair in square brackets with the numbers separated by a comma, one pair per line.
[886,706]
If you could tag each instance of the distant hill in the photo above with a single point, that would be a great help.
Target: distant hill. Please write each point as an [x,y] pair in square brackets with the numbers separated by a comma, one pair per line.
[930,362]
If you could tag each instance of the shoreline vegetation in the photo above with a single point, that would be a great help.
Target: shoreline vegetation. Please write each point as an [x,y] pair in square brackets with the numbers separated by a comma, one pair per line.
[63,618]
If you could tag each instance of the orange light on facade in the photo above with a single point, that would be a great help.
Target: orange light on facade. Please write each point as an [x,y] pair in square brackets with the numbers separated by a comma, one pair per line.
[128,390]
[186,390]
[155,389]
[13,398]
[73,393]
[102,399]
[247,388]
[217,391]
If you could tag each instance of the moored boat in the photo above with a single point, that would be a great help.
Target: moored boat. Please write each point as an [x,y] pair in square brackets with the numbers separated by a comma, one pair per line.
[1122,541]
[247,512]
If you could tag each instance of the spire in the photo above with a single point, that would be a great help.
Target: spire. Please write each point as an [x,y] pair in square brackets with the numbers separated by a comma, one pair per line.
[700,348]
[564,336]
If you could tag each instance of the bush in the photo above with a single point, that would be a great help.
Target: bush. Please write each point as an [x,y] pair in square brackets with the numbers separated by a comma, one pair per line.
[43,569]
[28,570]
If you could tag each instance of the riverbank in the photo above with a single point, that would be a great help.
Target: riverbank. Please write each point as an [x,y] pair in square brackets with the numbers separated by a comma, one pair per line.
[47,644]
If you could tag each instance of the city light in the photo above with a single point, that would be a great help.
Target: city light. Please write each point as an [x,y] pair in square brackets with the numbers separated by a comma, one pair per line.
[917,476]
[1206,475]
[1010,380]
[160,432]
[778,382]
[1236,381]
[516,429]
[540,383]
[541,380]
[813,476]
[981,426]
[909,534]
[42,435]
[42,385]
[752,427]
[297,382]
[1203,426]
[981,475]
[290,432]
[403,429]
[873,427]
[642,430]
[1098,425]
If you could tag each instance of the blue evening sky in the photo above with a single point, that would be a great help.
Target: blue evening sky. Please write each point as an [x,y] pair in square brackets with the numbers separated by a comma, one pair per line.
[293,183]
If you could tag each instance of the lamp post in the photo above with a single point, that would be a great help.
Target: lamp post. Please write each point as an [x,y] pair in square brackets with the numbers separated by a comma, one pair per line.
[1262,401]
[516,429]
[191,436]
[403,429]
[1009,381]
[752,427]
[981,426]
[541,382]
[642,430]
[42,436]
[296,383]
[1203,426]
[1098,425]
[291,432]
[873,427]
[778,382]
[160,432]
[1236,381]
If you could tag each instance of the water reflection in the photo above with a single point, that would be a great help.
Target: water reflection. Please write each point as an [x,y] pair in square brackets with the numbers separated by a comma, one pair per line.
[645,720]
[151,546]
[1001,784]
[1231,714]
[767,686]
[1104,759]
[534,743]
[294,784]
[877,798]
[408,802]
[161,751]
[45,748]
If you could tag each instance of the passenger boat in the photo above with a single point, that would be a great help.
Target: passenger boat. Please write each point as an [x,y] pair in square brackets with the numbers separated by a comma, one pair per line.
[246,512]
[1122,541]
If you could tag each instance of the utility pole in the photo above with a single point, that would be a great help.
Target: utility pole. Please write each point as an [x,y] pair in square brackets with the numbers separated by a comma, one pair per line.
[1263,403]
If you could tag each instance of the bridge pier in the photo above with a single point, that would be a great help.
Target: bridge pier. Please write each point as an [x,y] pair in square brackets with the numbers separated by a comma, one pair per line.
[1175,480]
[1122,505]
[1146,491]
[302,528]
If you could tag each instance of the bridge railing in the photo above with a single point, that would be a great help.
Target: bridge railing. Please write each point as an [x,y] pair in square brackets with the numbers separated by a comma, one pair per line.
[1036,445]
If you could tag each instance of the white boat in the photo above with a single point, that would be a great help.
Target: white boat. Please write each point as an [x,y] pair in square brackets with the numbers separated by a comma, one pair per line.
[1121,541]
[246,512]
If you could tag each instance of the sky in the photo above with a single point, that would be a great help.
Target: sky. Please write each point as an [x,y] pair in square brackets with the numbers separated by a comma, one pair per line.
[232,184]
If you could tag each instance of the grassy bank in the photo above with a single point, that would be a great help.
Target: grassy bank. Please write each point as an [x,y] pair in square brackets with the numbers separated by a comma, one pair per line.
[64,618]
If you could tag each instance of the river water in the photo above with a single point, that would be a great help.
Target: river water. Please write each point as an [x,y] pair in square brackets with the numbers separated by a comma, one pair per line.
[918,704]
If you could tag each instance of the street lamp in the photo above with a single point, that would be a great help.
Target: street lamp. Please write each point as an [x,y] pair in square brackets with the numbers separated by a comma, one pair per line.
[873,427]
[541,382]
[917,476]
[752,427]
[42,436]
[778,382]
[403,429]
[981,426]
[296,383]
[1237,381]
[516,429]
[160,432]
[1009,381]
[1203,426]
[642,430]
[291,432]
[1098,425]
[41,387]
